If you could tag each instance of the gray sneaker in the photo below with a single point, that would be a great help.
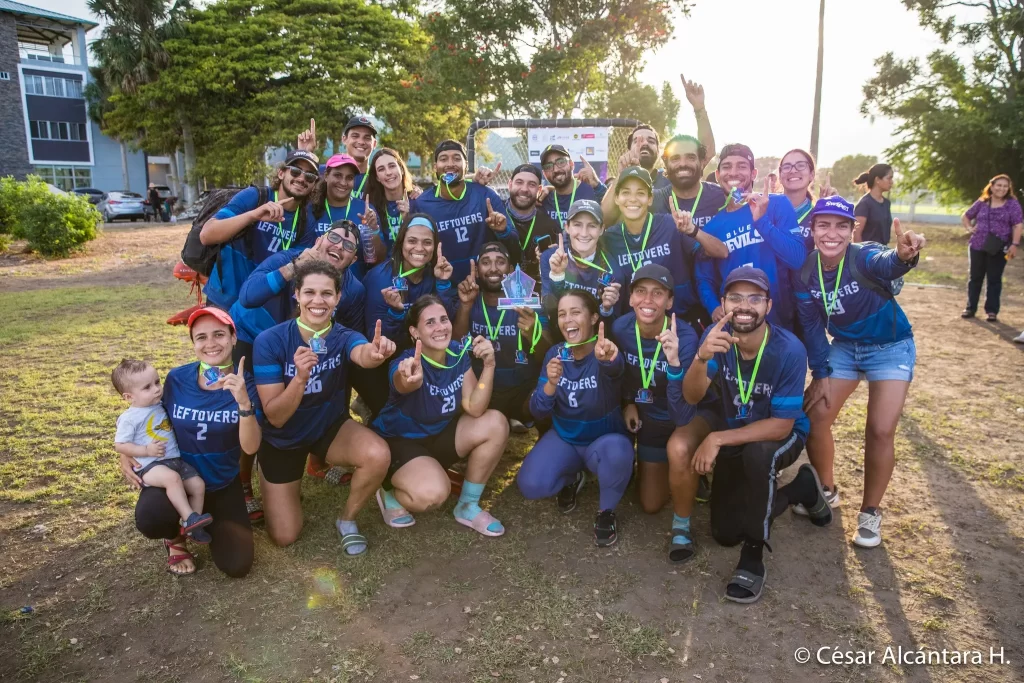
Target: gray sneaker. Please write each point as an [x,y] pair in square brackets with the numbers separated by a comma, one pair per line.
[832,497]
[869,530]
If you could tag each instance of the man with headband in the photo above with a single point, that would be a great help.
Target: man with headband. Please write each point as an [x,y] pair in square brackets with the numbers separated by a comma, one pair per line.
[536,229]
[518,336]
[466,214]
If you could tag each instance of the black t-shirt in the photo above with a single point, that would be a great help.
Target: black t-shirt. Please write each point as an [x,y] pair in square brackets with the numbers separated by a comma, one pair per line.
[878,219]
[544,234]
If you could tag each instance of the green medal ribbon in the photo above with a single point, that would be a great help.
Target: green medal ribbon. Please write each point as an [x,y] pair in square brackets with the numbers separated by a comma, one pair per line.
[572,198]
[362,183]
[457,356]
[745,396]
[537,332]
[280,226]
[835,290]
[592,339]
[316,333]
[695,201]
[406,273]
[203,367]
[643,245]
[328,207]
[646,377]
[591,264]
[528,232]
[492,334]
[465,186]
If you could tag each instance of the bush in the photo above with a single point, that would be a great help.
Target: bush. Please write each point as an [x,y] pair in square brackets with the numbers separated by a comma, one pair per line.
[53,224]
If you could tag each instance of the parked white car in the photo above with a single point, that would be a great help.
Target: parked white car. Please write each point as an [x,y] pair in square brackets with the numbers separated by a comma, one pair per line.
[115,205]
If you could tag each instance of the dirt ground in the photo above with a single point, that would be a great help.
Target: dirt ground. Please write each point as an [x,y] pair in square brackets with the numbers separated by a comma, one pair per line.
[439,603]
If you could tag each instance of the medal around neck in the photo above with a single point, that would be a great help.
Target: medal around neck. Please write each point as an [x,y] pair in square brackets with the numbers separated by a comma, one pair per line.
[565,354]
[400,283]
[449,178]
[736,195]
[318,345]
[519,291]
[211,375]
[644,396]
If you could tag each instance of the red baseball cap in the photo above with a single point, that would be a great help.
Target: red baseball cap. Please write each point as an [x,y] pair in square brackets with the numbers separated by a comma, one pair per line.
[342,160]
[218,313]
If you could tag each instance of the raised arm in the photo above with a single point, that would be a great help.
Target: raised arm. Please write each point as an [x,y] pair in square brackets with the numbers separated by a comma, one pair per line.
[695,96]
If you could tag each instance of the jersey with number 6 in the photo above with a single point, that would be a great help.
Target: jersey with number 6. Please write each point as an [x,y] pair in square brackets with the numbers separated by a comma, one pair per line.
[205,424]
[323,400]
[587,402]
[429,409]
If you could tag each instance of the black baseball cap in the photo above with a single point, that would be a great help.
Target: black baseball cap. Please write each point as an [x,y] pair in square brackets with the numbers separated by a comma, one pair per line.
[490,247]
[302,155]
[526,168]
[553,149]
[448,146]
[586,206]
[652,271]
[737,150]
[754,276]
[638,172]
[360,121]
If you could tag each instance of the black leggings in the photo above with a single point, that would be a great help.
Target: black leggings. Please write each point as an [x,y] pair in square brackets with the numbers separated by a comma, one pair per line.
[232,545]
[744,498]
[985,266]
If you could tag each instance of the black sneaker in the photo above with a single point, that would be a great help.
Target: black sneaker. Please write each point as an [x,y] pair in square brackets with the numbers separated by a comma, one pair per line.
[567,496]
[604,529]
[703,489]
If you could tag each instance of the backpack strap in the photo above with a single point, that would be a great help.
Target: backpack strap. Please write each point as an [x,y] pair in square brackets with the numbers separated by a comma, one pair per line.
[870,283]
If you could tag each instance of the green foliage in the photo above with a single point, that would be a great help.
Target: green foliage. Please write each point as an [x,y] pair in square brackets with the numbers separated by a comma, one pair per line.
[959,119]
[53,224]
[849,167]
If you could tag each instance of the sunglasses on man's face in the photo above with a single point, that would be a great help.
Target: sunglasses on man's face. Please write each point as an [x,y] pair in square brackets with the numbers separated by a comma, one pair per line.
[308,175]
[336,238]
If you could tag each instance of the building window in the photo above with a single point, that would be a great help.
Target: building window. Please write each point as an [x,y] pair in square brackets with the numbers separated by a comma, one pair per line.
[57,130]
[66,178]
[53,86]
[34,85]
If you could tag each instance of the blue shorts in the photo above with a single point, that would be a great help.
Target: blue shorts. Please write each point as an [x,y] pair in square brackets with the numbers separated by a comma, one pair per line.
[873,362]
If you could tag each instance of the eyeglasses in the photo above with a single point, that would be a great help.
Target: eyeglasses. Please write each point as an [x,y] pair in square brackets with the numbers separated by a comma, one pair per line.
[798,166]
[308,175]
[560,162]
[335,238]
[752,299]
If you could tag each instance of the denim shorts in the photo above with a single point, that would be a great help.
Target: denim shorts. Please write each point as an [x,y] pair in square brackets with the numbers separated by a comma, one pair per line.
[873,362]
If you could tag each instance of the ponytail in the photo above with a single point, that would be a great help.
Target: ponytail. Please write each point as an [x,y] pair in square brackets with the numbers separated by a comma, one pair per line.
[869,176]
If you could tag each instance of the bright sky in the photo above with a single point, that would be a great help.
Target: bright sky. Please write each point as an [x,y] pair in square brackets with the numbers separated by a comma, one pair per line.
[756,60]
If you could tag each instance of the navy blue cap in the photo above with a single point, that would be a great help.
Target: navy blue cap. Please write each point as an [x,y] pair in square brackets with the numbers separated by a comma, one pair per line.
[737,150]
[357,121]
[553,149]
[833,206]
[586,206]
[754,276]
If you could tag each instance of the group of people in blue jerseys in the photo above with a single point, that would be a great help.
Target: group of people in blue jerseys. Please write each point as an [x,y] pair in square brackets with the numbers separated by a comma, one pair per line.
[677,322]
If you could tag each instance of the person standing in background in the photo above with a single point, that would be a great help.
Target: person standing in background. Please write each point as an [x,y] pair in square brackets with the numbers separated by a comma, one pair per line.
[994,222]
[874,211]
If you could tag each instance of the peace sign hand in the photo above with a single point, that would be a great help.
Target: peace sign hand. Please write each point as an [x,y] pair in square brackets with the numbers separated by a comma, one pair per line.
[411,369]
[587,174]
[469,288]
[684,221]
[670,343]
[908,244]
[443,269]
[495,221]
[605,350]
[759,202]
[559,259]
[717,341]
[307,138]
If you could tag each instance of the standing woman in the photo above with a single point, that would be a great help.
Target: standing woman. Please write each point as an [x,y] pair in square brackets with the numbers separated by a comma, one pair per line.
[437,415]
[874,211]
[846,289]
[214,424]
[796,174]
[580,390]
[389,189]
[995,224]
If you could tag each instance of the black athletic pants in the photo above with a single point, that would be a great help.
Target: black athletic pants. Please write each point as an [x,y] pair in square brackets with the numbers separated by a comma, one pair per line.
[985,265]
[232,545]
[744,498]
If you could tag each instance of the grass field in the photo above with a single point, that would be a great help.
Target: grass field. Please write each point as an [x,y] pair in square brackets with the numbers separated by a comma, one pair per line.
[438,602]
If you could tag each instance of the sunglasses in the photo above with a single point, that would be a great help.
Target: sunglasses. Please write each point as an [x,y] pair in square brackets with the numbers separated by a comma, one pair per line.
[560,162]
[335,238]
[309,176]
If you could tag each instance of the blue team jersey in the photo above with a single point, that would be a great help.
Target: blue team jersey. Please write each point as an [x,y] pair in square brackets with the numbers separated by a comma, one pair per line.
[321,224]
[382,277]
[587,402]
[859,313]
[556,205]
[664,246]
[660,180]
[429,409]
[770,244]
[239,256]
[712,200]
[580,276]
[803,222]
[323,401]
[778,388]
[624,334]
[504,333]
[461,226]
[267,299]
[205,424]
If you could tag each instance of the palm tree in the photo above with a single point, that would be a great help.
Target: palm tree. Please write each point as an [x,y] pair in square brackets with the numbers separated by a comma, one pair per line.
[816,120]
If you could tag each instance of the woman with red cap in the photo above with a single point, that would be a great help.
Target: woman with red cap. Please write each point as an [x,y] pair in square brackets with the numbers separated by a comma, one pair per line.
[215,415]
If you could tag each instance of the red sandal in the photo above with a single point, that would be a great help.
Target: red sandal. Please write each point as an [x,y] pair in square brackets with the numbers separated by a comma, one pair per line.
[178,557]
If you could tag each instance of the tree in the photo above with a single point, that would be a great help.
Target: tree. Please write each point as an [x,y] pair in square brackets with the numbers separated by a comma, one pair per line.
[959,122]
[846,168]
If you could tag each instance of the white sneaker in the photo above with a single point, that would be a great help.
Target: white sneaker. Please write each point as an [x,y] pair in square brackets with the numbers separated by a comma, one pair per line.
[869,530]
[831,497]
[1019,338]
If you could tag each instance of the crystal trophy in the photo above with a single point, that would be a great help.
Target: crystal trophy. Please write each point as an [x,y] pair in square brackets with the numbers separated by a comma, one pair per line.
[518,287]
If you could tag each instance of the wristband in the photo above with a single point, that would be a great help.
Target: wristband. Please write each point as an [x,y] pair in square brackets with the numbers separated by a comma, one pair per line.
[1014,244]
[700,360]
[556,278]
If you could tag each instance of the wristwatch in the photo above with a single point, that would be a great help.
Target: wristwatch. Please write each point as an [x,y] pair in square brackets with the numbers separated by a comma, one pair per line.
[247,413]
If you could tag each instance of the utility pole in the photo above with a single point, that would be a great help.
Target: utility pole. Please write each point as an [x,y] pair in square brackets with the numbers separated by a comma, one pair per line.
[816,121]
